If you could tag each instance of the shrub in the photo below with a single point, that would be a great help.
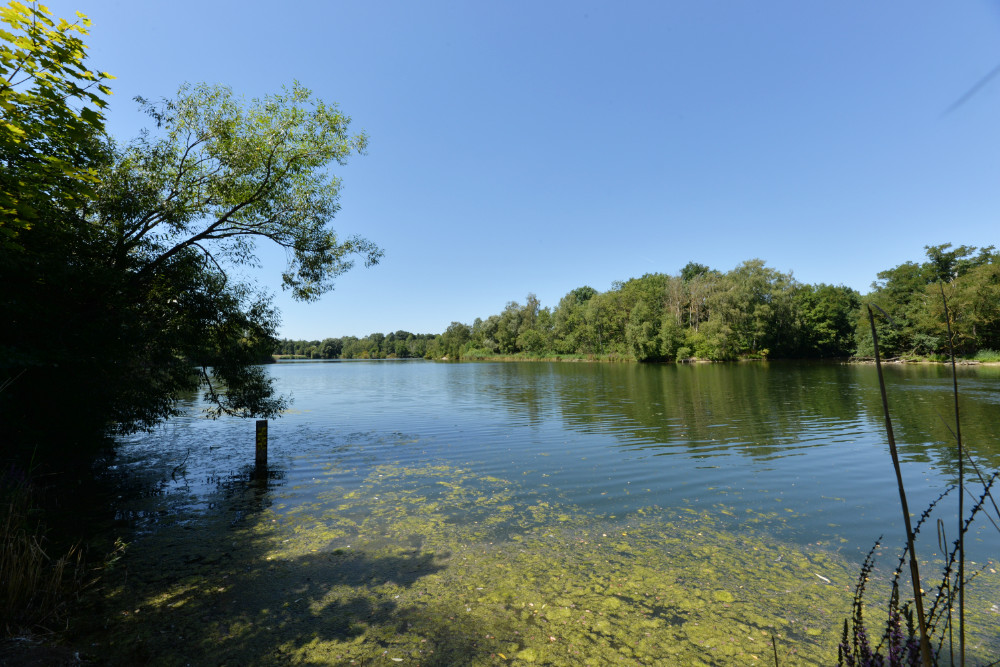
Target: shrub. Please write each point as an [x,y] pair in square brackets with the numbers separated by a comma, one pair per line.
[987,356]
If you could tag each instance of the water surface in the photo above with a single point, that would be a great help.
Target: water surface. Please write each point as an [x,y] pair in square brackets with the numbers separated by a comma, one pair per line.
[756,488]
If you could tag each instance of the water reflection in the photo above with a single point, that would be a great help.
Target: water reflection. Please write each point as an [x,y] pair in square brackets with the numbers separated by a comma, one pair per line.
[758,410]
[436,466]
[800,442]
[755,410]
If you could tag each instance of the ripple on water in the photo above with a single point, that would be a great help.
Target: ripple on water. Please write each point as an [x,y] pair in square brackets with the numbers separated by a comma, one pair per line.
[604,478]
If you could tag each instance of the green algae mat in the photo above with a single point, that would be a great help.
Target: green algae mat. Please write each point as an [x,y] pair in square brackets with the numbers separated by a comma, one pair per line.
[435,565]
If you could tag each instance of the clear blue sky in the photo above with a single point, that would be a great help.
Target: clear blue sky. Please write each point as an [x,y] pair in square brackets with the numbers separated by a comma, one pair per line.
[525,146]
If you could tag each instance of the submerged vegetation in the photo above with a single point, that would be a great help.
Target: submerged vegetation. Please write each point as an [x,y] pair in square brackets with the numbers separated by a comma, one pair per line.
[434,565]
[437,565]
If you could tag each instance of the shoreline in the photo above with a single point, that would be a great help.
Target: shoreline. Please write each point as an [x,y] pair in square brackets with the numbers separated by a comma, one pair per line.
[621,359]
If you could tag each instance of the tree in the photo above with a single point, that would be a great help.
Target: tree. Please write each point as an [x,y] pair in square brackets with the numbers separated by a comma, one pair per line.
[692,270]
[699,284]
[331,348]
[534,332]
[136,280]
[827,314]
[49,149]
[376,342]
[508,328]
[607,317]
[223,175]
[645,300]
[977,307]
[352,348]
[485,334]
[46,156]
[604,330]
[946,265]
[910,294]
[569,321]
[453,340]
[193,200]
[751,313]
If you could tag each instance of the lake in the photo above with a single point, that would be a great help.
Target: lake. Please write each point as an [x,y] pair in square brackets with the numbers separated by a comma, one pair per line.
[550,513]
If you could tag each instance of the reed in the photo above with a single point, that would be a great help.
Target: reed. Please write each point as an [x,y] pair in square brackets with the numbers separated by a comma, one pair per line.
[941,626]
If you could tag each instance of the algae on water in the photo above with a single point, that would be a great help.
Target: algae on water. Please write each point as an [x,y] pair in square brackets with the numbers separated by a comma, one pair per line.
[437,565]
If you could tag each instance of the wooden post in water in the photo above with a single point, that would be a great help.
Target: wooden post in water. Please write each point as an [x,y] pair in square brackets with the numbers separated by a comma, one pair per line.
[261,458]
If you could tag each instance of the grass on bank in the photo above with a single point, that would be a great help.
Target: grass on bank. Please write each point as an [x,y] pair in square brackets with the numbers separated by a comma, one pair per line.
[987,356]
[36,583]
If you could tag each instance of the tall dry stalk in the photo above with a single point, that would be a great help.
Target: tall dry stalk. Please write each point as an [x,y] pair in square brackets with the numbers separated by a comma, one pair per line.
[961,489]
[918,598]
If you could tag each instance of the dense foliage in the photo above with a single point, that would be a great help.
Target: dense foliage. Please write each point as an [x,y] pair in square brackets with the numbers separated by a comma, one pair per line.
[752,311]
[117,294]
[397,345]
[911,296]
[47,126]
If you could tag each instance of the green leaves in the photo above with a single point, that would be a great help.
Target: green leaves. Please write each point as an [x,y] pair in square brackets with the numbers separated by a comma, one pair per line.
[910,295]
[115,259]
[44,140]
[752,311]
[224,173]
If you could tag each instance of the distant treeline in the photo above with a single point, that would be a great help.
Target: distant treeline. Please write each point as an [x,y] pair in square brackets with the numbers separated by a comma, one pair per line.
[752,311]
[398,345]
